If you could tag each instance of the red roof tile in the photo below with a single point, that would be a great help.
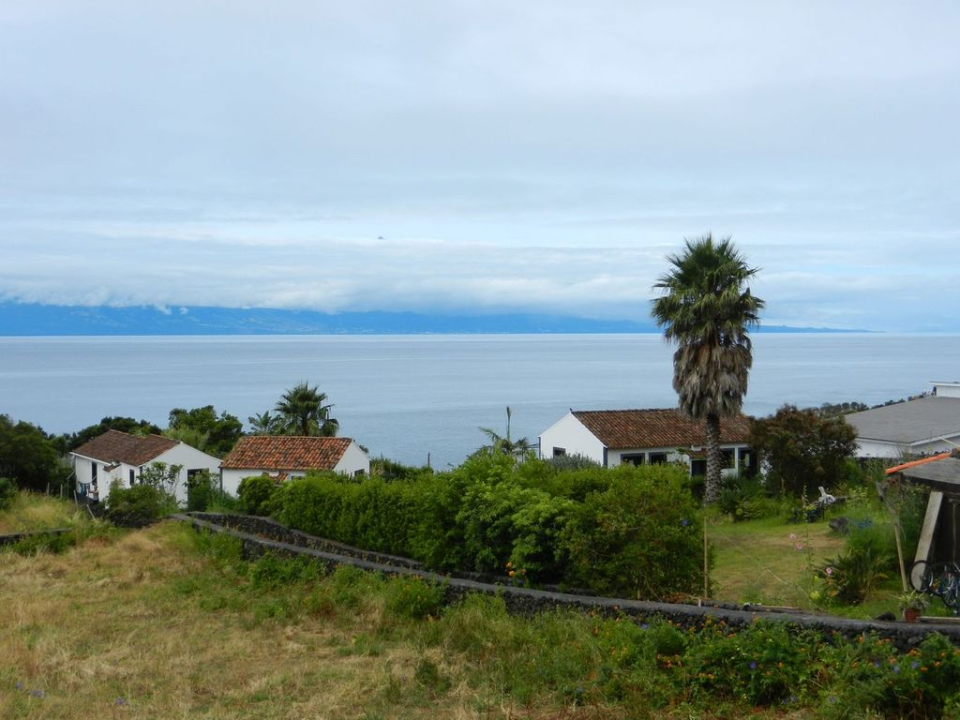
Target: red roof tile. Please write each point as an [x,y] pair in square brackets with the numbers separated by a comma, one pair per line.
[285,452]
[114,445]
[657,428]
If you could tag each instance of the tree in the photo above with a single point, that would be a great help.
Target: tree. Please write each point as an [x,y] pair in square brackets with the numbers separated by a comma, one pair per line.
[123,424]
[304,413]
[265,423]
[204,429]
[802,449]
[519,448]
[29,457]
[707,312]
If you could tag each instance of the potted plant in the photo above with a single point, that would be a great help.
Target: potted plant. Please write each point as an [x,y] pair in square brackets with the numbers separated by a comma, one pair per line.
[912,605]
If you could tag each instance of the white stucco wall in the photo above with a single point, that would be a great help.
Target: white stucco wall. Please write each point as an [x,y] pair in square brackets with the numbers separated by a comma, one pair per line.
[354,461]
[946,389]
[571,435]
[191,459]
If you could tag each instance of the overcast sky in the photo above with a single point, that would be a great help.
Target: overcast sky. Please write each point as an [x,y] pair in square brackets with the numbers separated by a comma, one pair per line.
[481,156]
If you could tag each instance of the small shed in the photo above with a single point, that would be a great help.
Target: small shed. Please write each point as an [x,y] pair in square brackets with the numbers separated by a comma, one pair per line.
[940,534]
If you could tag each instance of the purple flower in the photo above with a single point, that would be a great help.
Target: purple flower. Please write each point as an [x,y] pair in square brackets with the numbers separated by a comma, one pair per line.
[19,685]
[829,571]
[914,665]
[753,664]
[832,700]
[120,701]
[684,522]
[644,626]
[896,668]
[38,694]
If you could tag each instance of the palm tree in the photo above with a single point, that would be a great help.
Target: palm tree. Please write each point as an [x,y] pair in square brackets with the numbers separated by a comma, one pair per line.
[519,448]
[265,423]
[708,313]
[303,412]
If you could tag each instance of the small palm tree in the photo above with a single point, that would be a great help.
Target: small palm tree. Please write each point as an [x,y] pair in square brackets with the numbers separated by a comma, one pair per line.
[303,412]
[707,311]
[519,448]
[265,423]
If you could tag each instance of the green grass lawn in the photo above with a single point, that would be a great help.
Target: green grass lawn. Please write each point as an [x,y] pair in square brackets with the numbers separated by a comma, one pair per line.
[773,562]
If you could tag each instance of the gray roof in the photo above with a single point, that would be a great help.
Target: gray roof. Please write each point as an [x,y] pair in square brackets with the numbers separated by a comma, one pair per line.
[909,422]
[940,475]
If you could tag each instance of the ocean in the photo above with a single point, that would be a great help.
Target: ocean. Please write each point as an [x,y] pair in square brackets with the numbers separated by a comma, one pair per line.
[423,398]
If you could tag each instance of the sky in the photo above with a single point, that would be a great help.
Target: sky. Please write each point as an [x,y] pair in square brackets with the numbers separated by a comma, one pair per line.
[495,156]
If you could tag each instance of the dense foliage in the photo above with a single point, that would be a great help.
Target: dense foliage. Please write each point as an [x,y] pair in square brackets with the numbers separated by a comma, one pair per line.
[256,494]
[139,505]
[803,450]
[29,457]
[123,424]
[629,531]
[204,429]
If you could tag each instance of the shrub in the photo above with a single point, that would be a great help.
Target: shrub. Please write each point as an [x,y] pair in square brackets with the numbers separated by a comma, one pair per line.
[8,491]
[868,557]
[567,463]
[413,598]
[202,490]
[642,537]
[256,494]
[745,498]
[139,505]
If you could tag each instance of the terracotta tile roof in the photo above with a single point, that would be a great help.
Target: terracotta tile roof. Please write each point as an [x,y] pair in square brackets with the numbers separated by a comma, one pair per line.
[285,452]
[114,445]
[656,428]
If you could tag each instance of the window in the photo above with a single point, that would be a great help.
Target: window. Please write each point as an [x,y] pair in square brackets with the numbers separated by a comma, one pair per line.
[635,459]
[94,470]
[698,467]
[559,452]
[726,459]
[133,477]
[658,458]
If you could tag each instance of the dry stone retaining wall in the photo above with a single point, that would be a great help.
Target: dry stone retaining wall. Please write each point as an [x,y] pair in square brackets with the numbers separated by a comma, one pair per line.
[260,536]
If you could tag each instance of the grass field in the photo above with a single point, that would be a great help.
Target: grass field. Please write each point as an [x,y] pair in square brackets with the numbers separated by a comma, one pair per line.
[164,623]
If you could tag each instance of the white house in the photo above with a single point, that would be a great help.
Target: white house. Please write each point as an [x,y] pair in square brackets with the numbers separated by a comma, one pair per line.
[285,456]
[616,437]
[923,426]
[119,457]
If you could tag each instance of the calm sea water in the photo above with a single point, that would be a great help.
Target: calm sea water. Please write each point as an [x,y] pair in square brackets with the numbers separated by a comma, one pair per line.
[407,397]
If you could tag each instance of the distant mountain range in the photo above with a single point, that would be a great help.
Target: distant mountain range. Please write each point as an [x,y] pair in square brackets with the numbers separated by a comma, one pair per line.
[34,320]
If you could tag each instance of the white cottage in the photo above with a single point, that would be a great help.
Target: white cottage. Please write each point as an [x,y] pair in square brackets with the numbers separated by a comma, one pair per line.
[285,456]
[638,437]
[120,457]
[923,426]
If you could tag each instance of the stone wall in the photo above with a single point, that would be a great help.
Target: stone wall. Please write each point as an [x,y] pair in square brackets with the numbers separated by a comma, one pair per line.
[260,536]
[14,538]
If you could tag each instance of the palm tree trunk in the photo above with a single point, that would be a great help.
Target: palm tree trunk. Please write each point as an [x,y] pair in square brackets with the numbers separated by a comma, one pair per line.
[711,491]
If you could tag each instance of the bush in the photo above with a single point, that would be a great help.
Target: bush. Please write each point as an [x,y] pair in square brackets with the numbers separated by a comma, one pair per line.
[643,537]
[139,505]
[413,598]
[256,494]
[868,558]
[8,491]
[202,490]
[630,530]
[745,498]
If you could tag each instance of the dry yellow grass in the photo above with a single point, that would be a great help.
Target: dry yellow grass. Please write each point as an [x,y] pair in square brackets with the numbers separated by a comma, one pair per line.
[32,511]
[111,629]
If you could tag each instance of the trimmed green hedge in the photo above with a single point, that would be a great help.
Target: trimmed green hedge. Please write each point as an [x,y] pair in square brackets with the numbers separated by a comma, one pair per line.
[631,531]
